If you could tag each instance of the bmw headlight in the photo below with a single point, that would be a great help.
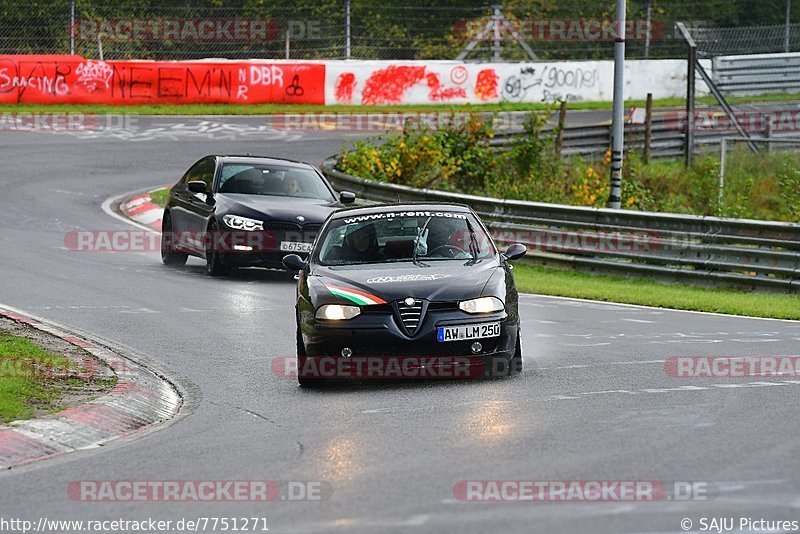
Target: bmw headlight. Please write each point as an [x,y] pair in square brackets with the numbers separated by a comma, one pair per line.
[237,222]
[337,312]
[482,305]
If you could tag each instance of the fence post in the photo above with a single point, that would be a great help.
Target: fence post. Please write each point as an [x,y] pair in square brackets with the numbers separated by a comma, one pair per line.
[787,28]
[617,112]
[691,67]
[723,158]
[648,128]
[72,28]
[562,119]
[347,29]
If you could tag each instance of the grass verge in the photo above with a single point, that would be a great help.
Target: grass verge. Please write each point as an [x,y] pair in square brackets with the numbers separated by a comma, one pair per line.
[159,196]
[269,109]
[563,283]
[34,380]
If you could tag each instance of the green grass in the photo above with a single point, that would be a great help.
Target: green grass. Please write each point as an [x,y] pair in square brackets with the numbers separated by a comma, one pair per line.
[159,196]
[21,392]
[268,109]
[547,281]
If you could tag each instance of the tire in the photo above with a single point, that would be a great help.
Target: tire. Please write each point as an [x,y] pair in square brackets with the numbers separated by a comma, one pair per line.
[515,365]
[168,254]
[501,367]
[216,264]
[305,381]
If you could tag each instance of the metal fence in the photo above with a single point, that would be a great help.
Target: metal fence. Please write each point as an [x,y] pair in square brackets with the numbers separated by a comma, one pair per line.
[375,29]
[702,250]
[757,74]
[668,136]
[714,42]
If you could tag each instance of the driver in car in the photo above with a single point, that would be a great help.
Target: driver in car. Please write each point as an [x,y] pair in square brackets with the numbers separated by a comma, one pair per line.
[361,245]
[443,236]
[291,186]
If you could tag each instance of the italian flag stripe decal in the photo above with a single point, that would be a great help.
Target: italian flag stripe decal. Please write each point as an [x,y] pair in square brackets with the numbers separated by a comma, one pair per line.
[362,298]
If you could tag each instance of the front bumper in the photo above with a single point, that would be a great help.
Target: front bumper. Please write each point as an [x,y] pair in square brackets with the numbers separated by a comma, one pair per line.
[380,348]
[267,258]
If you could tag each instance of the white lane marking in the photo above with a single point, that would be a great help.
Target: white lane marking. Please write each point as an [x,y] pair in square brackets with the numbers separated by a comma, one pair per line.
[679,389]
[635,320]
[653,308]
[637,362]
[608,391]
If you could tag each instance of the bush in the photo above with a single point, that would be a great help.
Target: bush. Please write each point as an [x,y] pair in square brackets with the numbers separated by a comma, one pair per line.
[458,156]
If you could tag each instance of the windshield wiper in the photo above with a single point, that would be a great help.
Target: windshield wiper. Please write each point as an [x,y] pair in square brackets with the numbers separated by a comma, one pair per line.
[416,243]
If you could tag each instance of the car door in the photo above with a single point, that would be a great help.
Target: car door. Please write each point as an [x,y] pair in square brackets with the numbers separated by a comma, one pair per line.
[191,210]
[182,198]
[201,205]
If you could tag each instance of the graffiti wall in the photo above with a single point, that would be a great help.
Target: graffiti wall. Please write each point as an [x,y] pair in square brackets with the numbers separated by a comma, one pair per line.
[376,83]
[73,79]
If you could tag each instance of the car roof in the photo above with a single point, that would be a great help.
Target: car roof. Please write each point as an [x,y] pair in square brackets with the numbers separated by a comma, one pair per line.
[406,206]
[250,159]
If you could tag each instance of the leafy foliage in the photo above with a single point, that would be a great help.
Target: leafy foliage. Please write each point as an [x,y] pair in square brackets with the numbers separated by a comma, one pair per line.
[458,156]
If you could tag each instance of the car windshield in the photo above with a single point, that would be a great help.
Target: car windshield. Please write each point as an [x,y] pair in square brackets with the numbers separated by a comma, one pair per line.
[264,179]
[418,236]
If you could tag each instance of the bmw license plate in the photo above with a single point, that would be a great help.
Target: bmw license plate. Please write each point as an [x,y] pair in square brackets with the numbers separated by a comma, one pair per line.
[294,246]
[469,331]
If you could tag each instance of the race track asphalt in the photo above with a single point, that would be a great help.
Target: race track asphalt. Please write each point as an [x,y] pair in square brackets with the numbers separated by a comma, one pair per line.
[593,403]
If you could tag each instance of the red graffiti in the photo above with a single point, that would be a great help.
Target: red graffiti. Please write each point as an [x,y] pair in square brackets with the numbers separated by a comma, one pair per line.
[486,85]
[74,80]
[345,85]
[442,93]
[389,85]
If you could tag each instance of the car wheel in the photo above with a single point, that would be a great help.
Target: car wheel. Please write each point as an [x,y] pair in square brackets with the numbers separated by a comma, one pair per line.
[216,264]
[169,256]
[302,379]
[507,367]
[515,365]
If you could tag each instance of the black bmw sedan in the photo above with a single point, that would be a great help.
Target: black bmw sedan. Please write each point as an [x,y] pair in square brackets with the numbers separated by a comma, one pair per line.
[245,211]
[411,290]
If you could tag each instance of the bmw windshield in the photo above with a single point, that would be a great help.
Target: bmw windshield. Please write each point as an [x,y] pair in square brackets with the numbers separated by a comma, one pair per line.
[272,180]
[417,236]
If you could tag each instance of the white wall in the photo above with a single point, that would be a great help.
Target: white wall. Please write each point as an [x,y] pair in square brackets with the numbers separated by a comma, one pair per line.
[428,82]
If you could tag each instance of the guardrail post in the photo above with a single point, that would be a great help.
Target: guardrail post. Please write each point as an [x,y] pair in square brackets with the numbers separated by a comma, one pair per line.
[562,119]
[648,128]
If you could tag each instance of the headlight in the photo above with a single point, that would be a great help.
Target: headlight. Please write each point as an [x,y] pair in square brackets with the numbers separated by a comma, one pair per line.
[238,222]
[482,305]
[337,312]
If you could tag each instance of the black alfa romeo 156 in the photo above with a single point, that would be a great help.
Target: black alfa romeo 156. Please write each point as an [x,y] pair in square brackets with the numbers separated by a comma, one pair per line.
[421,281]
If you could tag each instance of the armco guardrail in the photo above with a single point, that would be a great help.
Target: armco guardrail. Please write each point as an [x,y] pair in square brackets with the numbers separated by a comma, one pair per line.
[757,74]
[707,250]
[667,138]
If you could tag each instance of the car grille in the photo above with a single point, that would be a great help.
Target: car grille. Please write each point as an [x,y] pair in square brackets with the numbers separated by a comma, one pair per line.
[410,316]
[286,231]
[286,226]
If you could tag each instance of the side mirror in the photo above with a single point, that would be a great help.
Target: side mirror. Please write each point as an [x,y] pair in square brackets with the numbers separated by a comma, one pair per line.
[346,197]
[197,186]
[293,262]
[515,251]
